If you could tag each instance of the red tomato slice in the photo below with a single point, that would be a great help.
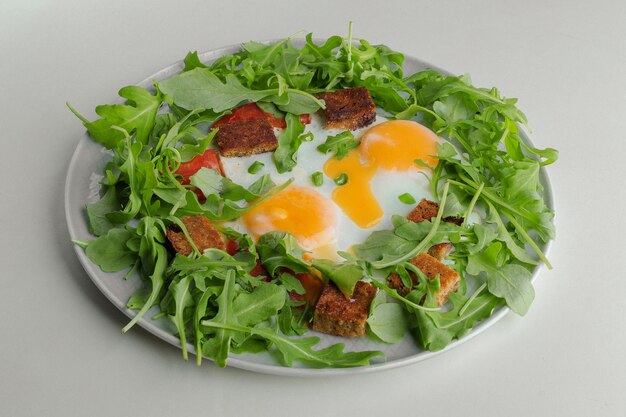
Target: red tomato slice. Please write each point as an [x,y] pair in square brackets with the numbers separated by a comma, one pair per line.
[209,159]
[232,247]
[313,287]
[251,111]
[258,270]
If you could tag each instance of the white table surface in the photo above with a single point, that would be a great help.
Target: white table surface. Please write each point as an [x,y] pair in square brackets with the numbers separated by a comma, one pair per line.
[62,353]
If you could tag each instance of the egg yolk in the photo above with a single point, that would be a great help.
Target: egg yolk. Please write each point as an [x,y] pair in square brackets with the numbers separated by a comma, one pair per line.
[355,197]
[395,145]
[392,146]
[306,214]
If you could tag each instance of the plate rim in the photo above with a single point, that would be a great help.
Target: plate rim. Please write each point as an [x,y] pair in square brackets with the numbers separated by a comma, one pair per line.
[233,361]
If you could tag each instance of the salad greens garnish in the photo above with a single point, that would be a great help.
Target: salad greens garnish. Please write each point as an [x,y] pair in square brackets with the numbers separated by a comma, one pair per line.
[339,144]
[487,176]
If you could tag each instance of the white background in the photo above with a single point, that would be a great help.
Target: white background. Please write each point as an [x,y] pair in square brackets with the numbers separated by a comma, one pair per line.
[61,352]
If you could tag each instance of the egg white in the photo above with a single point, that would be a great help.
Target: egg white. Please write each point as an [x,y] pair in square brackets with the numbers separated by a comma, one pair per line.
[386,185]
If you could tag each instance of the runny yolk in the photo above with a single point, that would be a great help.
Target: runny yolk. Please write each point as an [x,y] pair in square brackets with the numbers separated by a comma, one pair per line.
[355,197]
[395,145]
[392,146]
[303,212]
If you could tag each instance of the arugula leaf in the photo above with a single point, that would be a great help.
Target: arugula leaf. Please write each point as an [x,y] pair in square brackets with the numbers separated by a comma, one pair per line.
[138,114]
[218,346]
[388,322]
[192,61]
[437,329]
[200,312]
[289,141]
[345,276]
[510,281]
[96,213]
[200,88]
[259,305]
[339,144]
[111,252]
[301,350]
[180,290]
[154,259]
[280,250]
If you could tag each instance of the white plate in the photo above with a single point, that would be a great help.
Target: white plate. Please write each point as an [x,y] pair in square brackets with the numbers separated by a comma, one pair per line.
[82,187]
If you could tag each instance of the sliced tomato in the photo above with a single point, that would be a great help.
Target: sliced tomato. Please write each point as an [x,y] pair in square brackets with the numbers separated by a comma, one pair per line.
[209,159]
[305,119]
[251,111]
[232,247]
[313,287]
[258,270]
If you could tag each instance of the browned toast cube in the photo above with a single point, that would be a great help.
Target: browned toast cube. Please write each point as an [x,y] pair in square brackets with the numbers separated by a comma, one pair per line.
[339,316]
[426,210]
[202,233]
[440,250]
[431,267]
[246,137]
[351,108]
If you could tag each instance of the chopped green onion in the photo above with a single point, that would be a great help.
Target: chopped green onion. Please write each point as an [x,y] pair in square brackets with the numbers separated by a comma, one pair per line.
[341,179]
[317,178]
[406,198]
[255,167]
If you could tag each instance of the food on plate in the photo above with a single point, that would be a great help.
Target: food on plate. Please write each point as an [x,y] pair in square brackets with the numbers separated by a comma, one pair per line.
[440,250]
[201,233]
[349,108]
[429,266]
[246,137]
[427,210]
[340,316]
[267,198]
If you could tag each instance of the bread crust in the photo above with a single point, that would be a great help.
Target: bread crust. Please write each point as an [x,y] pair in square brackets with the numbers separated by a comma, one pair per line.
[350,108]
[246,137]
[440,250]
[431,267]
[339,316]
[202,233]
[425,210]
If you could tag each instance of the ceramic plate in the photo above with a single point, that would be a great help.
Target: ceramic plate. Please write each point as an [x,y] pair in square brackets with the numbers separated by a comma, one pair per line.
[82,187]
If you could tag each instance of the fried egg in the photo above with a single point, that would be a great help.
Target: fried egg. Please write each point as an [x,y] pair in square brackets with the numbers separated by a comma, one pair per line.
[330,218]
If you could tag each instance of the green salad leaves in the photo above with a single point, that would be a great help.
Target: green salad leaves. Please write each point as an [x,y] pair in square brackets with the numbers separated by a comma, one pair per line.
[487,175]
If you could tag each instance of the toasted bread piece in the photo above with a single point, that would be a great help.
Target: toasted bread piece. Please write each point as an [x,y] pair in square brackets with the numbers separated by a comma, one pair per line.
[246,137]
[431,267]
[202,233]
[351,108]
[440,250]
[427,209]
[339,316]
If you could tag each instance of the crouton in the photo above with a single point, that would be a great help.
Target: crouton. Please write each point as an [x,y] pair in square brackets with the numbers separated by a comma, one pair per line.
[339,316]
[202,233]
[441,250]
[351,108]
[426,210]
[431,267]
[246,137]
